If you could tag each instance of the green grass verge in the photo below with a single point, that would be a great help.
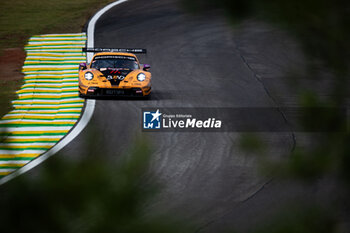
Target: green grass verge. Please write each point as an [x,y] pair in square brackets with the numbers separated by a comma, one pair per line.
[20,19]
[7,93]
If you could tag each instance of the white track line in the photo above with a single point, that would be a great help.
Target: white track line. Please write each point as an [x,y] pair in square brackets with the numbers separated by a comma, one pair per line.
[91,28]
[88,112]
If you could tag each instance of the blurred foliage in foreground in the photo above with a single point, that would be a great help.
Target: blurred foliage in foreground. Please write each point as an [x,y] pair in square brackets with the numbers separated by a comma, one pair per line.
[321,26]
[90,194]
[306,219]
[322,29]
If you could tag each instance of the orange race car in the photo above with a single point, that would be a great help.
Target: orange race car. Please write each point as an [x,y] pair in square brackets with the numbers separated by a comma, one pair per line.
[114,72]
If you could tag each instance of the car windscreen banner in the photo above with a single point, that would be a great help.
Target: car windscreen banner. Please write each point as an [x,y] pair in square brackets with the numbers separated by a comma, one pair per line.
[115,57]
[121,50]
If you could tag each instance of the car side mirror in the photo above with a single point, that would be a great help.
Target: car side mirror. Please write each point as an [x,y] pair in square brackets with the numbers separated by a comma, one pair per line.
[82,66]
[146,67]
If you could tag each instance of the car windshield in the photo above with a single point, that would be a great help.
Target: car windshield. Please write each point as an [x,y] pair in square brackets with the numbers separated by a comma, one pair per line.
[119,62]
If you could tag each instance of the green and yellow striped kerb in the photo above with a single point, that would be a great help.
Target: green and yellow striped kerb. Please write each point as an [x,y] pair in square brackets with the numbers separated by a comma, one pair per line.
[48,104]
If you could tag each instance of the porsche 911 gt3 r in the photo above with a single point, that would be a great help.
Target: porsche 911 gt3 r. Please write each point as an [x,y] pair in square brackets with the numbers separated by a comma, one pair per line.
[114,72]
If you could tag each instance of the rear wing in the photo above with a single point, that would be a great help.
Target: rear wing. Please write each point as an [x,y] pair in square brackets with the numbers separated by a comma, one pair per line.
[122,50]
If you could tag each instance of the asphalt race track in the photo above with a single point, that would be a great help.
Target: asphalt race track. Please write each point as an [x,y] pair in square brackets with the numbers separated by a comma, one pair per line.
[197,61]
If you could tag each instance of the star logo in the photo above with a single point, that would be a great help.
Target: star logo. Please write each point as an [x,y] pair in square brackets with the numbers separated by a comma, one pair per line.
[156,115]
[152,119]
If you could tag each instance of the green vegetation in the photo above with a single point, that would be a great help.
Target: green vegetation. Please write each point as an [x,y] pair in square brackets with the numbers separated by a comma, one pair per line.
[8,90]
[20,19]
[92,194]
[321,26]
[322,29]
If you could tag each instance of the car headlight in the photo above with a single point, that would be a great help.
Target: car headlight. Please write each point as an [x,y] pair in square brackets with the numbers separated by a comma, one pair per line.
[89,76]
[141,77]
